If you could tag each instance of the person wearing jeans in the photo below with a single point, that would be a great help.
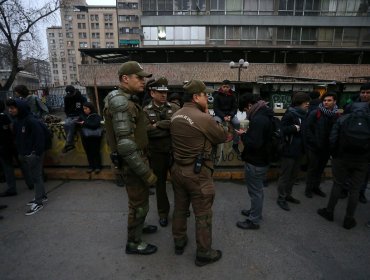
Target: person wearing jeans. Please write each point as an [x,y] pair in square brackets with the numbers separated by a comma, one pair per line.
[30,143]
[73,102]
[255,155]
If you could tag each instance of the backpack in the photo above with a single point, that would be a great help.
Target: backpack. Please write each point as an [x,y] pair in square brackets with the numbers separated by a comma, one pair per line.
[48,135]
[276,141]
[355,133]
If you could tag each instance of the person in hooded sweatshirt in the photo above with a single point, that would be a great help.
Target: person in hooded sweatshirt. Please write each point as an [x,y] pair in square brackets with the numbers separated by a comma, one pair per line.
[7,151]
[350,149]
[30,143]
[73,102]
[292,124]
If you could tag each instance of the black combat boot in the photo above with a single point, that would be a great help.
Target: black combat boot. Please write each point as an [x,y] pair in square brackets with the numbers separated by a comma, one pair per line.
[214,256]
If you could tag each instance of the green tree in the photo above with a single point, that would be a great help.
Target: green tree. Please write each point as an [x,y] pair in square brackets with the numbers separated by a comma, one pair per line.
[18,32]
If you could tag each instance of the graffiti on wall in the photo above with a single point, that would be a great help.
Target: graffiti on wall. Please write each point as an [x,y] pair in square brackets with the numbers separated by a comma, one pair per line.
[283,98]
[225,155]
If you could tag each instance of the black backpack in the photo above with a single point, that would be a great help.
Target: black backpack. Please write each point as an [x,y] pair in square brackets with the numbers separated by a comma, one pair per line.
[355,133]
[276,141]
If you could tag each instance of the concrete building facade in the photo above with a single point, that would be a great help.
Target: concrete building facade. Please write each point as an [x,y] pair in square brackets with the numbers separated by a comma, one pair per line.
[83,26]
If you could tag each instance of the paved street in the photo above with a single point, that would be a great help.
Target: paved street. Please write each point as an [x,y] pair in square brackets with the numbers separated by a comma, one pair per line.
[81,233]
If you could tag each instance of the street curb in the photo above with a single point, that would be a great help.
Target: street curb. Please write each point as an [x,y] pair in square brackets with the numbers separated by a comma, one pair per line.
[80,173]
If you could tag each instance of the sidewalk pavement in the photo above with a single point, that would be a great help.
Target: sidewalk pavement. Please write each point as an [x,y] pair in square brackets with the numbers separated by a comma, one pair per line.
[81,234]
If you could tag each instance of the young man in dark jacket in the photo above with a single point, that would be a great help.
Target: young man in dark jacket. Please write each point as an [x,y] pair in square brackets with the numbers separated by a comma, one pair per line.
[350,161]
[225,107]
[317,131]
[255,155]
[293,149]
[30,143]
[73,102]
[7,151]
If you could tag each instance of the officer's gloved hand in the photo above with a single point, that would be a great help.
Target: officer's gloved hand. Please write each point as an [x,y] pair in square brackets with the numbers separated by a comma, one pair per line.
[149,178]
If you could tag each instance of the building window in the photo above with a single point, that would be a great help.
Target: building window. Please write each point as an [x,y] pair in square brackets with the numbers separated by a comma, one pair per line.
[308,36]
[109,44]
[108,17]
[127,30]
[51,35]
[52,41]
[234,7]
[81,25]
[83,44]
[128,6]
[108,25]
[232,32]
[95,45]
[69,35]
[94,17]
[82,35]
[286,7]
[366,37]
[71,52]
[109,35]
[350,36]
[128,18]
[81,16]
[95,35]
[325,36]
[70,43]
[95,25]
[217,33]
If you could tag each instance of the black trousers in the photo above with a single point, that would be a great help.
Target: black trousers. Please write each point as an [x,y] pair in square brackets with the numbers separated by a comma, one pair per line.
[92,149]
[351,174]
[315,168]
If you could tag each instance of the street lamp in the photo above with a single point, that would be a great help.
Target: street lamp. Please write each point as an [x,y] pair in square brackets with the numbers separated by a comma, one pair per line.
[240,65]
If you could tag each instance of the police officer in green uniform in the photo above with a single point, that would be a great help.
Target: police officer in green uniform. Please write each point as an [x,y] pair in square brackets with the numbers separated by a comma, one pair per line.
[193,133]
[159,113]
[127,137]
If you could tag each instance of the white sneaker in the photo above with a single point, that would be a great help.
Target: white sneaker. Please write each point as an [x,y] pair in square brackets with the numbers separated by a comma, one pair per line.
[34,209]
[44,199]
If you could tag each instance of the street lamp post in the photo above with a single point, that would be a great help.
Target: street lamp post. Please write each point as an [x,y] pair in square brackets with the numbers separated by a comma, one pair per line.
[240,65]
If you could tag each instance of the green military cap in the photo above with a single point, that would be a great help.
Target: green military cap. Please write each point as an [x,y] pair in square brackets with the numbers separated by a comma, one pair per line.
[196,86]
[158,85]
[132,67]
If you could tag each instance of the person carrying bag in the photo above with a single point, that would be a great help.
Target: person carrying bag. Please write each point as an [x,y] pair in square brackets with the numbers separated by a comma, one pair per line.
[91,135]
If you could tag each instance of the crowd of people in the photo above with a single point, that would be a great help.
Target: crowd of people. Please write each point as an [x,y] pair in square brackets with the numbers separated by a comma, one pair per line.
[25,137]
[177,135]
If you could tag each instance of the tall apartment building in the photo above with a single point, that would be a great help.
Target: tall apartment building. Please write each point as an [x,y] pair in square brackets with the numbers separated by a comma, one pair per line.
[129,13]
[83,26]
